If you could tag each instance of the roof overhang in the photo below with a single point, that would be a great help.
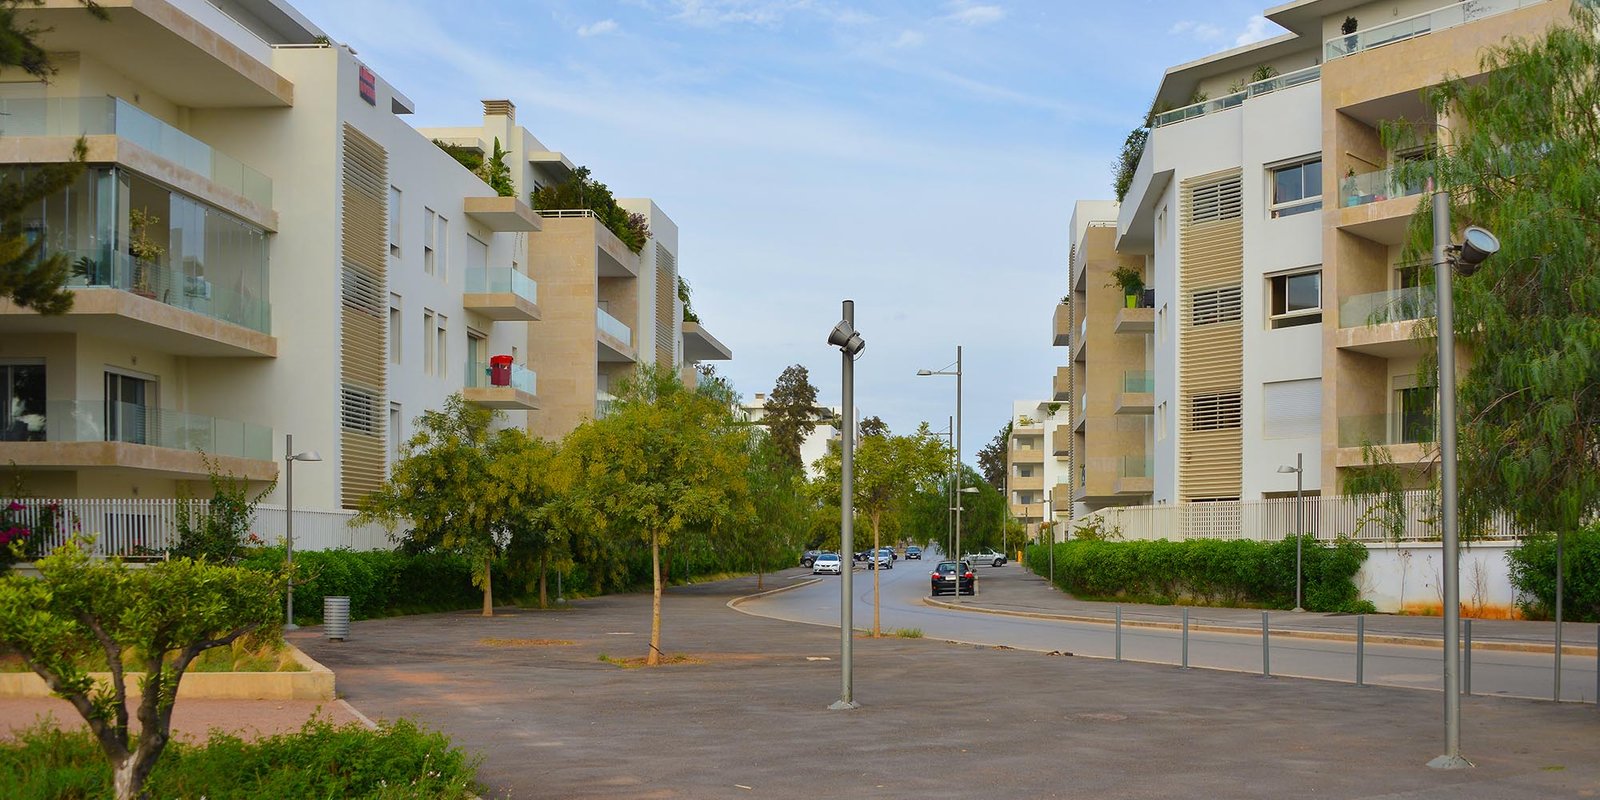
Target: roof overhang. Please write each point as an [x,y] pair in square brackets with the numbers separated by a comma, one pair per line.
[700,345]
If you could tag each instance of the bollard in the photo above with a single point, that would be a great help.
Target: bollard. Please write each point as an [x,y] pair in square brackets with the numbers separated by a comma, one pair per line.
[336,618]
[1266,648]
[1185,637]
[1361,649]
[1119,633]
[1466,657]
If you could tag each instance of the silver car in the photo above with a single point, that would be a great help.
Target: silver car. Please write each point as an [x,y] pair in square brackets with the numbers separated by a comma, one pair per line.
[827,564]
[988,556]
[883,559]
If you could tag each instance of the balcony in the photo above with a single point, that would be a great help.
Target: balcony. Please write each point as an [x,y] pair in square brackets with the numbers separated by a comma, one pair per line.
[501,294]
[77,434]
[614,336]
[614,259]
[1061,384]
[516,388]
[1376,187]
[604,403]
[111,116]
[1411,27]
[501,214]
[1139,320]
[1408,437]
[1060,442]
[1137,393]
[1061,497]
[1080,344]
[1061,324]
[1135,475]
[1383,323]
[699,345]
[1236,99]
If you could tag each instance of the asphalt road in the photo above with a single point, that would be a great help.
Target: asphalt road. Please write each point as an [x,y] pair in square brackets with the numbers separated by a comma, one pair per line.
[901,606]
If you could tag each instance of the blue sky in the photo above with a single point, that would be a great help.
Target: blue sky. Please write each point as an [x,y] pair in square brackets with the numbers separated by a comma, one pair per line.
[919,157]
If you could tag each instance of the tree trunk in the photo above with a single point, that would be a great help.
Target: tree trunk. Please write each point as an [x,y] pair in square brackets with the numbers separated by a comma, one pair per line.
[873,563]
[488,585]
[544,586]
[760,578]
[654,656]
[124,782]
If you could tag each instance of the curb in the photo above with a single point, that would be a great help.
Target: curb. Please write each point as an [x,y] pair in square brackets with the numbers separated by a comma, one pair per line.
[738,601]
[1414,641]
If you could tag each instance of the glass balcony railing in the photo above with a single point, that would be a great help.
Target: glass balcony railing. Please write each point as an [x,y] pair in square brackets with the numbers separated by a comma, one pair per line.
[1136,467]
[1201,109]
[1377,308]
[1285,81]
[482,376]
[1375,187]
[1393,428]
[613,327]
[1138,381]
[502,279]
[174,286]
[1411,27]
[100,116]
[98,421]
[603,402]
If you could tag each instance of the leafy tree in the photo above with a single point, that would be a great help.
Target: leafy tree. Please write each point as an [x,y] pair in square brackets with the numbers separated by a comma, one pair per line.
[992,457]
[163,616]
[666,461]
[468,157]
[686,294]
[791,413]
[1519,160]
[889,471]
[1128,160]
[781,512]
[526,489]
[494,171]
[580,191]
[874,426]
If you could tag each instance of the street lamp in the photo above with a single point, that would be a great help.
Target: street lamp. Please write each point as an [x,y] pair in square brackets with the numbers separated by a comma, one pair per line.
[845,337]
[1299,470]
[1477,245]
[289,457]
[957,373]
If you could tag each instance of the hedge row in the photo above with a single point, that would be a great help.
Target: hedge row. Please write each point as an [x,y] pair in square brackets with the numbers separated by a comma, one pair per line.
[1208,572]
[1533,573]
[379,583]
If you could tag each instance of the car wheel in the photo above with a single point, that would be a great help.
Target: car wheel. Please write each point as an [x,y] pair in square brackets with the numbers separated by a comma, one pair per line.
[999,563]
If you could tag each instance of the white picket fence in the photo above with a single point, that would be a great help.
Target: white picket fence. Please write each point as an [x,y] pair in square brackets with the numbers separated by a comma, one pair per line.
[139,528]
[1326,518]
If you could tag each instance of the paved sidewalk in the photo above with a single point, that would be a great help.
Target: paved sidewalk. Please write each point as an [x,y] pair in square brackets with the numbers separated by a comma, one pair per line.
[1013,588]
[192,720]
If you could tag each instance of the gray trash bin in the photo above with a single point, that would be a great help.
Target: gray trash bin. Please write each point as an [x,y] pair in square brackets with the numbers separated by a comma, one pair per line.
[336,618]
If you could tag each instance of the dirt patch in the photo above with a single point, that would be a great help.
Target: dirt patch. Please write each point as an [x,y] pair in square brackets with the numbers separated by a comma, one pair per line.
[1467,610]
[635,663]
[524,642]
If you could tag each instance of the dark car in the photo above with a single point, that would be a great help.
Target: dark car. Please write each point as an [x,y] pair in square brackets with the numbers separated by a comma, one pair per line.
[861,556]
[945,576]
[809,557]
[913,552]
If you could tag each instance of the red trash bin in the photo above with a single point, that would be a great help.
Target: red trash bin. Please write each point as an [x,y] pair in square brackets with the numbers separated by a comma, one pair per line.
[500,370]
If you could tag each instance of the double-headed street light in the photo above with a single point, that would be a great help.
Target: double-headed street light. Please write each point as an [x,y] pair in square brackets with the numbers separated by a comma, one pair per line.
[1299,470]
[845,337]
[289,457]
[957,373]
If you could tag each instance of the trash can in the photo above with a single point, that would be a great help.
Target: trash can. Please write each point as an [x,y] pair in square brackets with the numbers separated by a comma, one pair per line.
[336,618]
[500,370]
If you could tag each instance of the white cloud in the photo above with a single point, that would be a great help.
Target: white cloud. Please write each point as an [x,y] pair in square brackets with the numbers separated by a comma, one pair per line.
[969,14]
[1255,30]
[908,38]
[598,28]
[1199,31]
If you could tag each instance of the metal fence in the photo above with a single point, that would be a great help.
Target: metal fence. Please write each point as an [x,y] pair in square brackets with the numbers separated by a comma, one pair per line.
[141,528]
[1413,519]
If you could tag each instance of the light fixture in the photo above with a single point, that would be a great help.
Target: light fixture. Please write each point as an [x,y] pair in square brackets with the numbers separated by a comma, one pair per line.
[1477,244]
[845,337]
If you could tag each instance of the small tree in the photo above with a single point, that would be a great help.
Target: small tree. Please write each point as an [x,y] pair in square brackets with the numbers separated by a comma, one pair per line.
[494,171]
[219,533]
[779,506]
[162,617]
[1128,160]
[992,457]
[791,412]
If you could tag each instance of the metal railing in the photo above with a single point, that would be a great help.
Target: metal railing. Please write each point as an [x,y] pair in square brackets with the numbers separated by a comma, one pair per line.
[567,213]
[148,528]
[98,421]
[1394,305]
[1411,27]
[502,279]
[1138,381]
[173,286]
[1235,99]
[100,116]
[1375,187]
[480,375]
[613,327]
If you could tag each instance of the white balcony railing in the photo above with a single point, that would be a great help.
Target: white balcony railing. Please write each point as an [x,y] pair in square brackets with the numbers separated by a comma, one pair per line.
[1411,27]
[613,327]
[129,423]
[1236,99]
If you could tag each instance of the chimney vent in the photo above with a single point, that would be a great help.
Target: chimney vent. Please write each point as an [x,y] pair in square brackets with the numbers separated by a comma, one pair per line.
[500,108]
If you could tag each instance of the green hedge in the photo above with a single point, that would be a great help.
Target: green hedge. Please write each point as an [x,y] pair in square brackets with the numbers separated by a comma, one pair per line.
[1208,572]
[398,760]
[1533,573]
[382,583]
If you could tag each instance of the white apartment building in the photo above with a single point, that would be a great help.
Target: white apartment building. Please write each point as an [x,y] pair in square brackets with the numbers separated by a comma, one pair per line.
[824,437]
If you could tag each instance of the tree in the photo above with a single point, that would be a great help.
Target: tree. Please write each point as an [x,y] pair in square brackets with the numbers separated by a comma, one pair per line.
[1519,160]
[80,610]
[494,171]
[780,516]
[874,426]
[1128,160]
[889,471]
[580,191]
[526,490]
[992,457]
[219,533]
[791,412]
[666,460]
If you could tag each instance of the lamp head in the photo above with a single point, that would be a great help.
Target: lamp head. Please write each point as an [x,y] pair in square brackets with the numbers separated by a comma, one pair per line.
[1477,244]
[1288,470]
[924,372]
[308,455]
[970,490]
[845,337]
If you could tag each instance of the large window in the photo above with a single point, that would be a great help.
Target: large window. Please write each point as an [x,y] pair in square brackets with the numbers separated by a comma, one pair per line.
[1297,188]
[22,409]
[1296,299]
[129,400]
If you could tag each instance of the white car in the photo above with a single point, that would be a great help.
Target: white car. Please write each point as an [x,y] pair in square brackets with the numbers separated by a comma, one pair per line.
[827,564]
[988,556]
[883,559]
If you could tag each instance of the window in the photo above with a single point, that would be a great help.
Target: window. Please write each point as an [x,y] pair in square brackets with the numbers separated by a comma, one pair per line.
[22,408]
[1214,412]
[1297,188]
[1216,306]
[477,355]
[395,317]
[442,242]
[1413,418]
[442,339]
[1292,408]
[1024,471]
[395,438]
[128,402]
[395,215]
[429,222]
[429,353]
[1296,299]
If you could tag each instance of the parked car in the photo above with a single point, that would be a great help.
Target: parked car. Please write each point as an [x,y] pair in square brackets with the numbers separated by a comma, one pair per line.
[827,564]
[944,578]
[913,553]
[988,556]
[861,555]
[809,557]
[884,559]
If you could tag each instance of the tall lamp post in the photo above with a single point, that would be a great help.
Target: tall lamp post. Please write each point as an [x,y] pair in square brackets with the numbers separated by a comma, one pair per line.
[1477,244]
[957,373]
[1299,470]
[289,457]
[845,337]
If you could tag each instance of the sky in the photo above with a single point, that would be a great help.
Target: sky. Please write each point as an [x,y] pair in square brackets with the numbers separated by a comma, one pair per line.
[920,157]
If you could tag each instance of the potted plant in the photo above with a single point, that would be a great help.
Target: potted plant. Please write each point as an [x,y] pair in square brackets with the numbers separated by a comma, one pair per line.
[1348,28]
[1349,189]
[145,252]
[1131,281]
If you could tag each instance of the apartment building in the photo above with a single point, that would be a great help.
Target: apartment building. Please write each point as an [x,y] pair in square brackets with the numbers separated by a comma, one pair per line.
[606,309]
[1036,467]
[823,438]
[1265,217]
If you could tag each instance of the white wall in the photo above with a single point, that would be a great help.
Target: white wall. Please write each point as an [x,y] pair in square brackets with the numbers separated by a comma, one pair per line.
[1408,576]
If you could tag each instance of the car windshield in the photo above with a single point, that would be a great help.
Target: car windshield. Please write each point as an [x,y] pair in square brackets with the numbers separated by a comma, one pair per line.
[827,557]
[947,566]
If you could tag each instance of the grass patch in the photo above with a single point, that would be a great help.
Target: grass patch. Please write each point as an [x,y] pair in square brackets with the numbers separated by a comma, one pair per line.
[635,663]
[908,633]
[241,656]
[398,760]
[523,642]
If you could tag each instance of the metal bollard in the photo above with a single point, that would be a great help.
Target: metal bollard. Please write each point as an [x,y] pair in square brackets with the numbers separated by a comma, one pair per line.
[1361,649]
[1119,633]
[1185,637]
[1466,657]
[1266,648]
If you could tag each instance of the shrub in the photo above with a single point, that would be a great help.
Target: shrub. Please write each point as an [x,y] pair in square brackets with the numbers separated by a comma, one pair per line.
[379,583]
[1533,573]
[219,533]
